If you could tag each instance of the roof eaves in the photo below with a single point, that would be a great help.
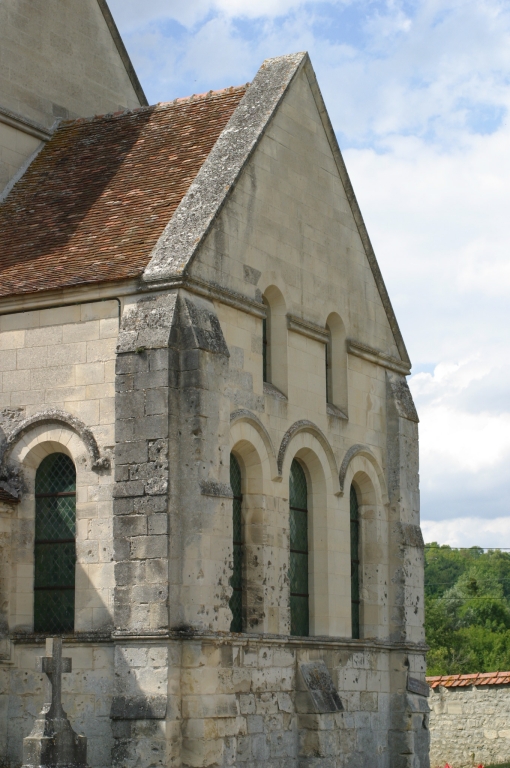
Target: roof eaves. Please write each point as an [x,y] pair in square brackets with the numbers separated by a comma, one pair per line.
[209,191]
[124,55]
[356,212]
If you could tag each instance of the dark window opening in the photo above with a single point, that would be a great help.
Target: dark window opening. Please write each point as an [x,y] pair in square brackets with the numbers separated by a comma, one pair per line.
[299,596]
[327,356]
[55,545]
[355,565]
[236,580]
[265,372]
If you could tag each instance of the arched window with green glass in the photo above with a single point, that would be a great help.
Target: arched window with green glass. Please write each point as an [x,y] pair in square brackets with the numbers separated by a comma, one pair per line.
[236,581]
[299,596]
[55,545]
[265,344]
[355,564]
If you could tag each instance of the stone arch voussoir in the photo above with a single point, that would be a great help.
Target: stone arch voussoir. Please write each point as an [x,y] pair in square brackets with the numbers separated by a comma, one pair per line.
[365,452]
[312,429]
[54,417]
[247,417]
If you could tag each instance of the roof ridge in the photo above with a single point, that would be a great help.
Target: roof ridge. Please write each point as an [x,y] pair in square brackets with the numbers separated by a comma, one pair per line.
[205,95]
[177,101]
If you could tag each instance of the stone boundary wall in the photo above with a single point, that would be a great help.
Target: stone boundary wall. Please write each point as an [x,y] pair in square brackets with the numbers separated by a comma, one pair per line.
[469,725]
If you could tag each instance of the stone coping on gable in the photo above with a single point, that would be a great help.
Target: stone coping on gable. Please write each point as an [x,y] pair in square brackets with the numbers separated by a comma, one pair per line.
[462,681]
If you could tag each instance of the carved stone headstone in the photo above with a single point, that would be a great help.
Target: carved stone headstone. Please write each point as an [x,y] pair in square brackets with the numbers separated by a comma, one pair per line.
[320,684]
[53,743]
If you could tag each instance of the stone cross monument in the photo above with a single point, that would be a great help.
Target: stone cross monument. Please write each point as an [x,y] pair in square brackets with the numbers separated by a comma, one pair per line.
[53,743]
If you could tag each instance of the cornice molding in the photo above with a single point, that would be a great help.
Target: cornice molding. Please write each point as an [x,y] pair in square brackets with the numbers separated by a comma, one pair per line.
[307,328]
[209,291]
[372,355]
[65,297]
[24,124]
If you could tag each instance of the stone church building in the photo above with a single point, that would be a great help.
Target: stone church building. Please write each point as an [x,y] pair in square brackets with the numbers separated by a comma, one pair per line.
[208,448]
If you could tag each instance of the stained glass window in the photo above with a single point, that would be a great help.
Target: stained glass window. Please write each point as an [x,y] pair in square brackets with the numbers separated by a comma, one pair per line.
[355,564]
[299,597]
[55,545]
[236,581]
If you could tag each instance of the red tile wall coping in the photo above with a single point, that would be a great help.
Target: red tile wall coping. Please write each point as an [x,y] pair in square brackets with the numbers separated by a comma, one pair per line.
[94,202]
[461,681]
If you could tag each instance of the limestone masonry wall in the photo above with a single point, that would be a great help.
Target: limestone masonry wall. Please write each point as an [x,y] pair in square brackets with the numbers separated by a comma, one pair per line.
[58,60]
[60,360]
[150,395]
[469,726]
[240,702]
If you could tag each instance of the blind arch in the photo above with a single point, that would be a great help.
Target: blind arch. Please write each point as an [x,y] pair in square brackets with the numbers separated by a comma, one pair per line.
[55,545]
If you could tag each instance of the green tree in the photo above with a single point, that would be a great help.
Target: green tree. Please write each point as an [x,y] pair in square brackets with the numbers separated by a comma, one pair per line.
[467,610]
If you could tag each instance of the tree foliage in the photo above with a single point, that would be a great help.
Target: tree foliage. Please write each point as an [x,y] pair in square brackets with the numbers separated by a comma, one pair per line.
[467,610]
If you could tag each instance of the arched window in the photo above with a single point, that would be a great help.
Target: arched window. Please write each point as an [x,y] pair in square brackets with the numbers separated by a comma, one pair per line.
[265,344]
[355,564]
[327,355]
[274,340]
[236,581]
[336,363]
[55,545]
[299,597]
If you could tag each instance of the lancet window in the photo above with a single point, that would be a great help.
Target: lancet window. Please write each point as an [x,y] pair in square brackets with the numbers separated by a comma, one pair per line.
[55,545]
[236,581]
[355,564]
[265,351]
[299,596]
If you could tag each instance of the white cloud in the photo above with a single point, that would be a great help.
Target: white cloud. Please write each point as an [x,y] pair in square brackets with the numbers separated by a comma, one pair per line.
[133,14]
[419,94]
[468,532]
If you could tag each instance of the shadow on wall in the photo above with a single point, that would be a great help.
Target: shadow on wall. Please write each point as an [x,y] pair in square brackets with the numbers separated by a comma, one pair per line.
[87,691]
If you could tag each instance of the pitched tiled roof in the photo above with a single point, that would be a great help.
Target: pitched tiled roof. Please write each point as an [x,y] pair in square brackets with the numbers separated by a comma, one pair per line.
[95,200]
[6,496]
[461,681]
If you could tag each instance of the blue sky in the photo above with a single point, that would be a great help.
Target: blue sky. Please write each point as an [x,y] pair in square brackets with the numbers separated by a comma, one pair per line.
[418,93]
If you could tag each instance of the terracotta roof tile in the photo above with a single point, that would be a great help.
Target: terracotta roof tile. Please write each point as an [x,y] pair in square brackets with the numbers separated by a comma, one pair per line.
[95,200]
[460,681]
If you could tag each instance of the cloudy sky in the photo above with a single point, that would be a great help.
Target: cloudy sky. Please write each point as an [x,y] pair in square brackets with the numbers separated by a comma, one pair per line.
[418,93]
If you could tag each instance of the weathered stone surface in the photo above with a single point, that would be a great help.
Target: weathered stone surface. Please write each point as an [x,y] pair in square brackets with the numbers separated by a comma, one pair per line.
[52,741]
[469,725]
[138,708]
[318,681]
[168,397]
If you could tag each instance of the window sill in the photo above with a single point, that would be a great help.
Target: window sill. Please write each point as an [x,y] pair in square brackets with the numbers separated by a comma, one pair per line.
[270,389]
[332,410]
